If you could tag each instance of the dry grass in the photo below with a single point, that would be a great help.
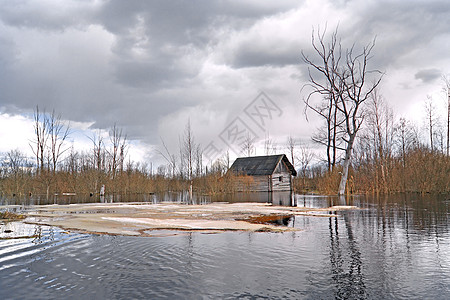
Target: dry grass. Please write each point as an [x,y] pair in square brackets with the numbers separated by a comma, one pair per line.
[6,215]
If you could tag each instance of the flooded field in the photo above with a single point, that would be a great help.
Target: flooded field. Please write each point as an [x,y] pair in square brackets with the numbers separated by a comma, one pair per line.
[392,248]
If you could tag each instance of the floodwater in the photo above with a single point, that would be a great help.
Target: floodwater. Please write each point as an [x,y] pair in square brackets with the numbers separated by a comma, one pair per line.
[396,247]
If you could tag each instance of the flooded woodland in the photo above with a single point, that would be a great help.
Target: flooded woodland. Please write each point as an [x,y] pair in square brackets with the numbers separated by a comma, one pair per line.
[391,241]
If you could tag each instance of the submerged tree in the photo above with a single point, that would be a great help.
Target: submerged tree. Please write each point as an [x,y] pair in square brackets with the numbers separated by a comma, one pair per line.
[191,156]
[343,79]
[446,80]
[380,129]
[51,134]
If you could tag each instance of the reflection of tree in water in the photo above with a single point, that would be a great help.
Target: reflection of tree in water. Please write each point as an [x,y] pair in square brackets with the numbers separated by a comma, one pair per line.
[41,236]
[396,225]
[425,213]
[348,278]
[189,253]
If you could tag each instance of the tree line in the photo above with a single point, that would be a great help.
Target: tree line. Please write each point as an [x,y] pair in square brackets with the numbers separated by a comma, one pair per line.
[392,158]
[58,168]
[388,157]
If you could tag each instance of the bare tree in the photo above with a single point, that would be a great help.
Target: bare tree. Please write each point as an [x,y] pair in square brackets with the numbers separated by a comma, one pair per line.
[170,158]
[439,138]
[117,153]
[199,161]
[58,132]
[15,161]
[50,133]
[161,171]
[248,146]
[182,168]
[39,145]
[430,111]
[269,146]
[122,154]
[98,151]
[304,159]
[98,161]
[189,148]
[446,80]
[380,126]
[405,137]
[71,165]
[15,166]
[291,144]
[190,153]
[344,77]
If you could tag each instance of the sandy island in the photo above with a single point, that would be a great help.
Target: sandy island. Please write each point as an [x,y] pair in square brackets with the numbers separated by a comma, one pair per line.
[141,219]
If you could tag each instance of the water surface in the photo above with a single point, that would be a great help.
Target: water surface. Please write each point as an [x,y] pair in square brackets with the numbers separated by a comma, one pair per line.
[394,248]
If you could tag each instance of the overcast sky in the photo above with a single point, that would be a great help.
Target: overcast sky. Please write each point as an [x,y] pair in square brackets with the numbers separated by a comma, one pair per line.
[149,66]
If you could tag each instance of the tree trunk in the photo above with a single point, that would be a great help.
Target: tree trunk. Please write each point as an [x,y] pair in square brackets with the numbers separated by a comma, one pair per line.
[344,177]
[190,192]
[448,122]
[346,165]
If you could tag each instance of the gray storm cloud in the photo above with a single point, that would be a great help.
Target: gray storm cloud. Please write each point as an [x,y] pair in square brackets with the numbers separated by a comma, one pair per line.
[143,64]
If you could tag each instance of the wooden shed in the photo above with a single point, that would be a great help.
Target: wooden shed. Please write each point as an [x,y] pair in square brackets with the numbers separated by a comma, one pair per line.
[263,173]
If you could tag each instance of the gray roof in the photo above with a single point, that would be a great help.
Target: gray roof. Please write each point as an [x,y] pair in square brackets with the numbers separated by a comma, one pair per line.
[260,165]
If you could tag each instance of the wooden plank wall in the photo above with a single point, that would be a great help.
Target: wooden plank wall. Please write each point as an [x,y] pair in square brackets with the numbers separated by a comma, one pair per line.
[281,181]
[281,178]
[253,184]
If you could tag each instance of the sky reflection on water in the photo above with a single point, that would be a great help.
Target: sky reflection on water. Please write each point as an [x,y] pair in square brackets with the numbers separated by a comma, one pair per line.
[396,247]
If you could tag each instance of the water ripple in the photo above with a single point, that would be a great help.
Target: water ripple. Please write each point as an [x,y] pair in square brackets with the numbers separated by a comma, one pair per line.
[393,252]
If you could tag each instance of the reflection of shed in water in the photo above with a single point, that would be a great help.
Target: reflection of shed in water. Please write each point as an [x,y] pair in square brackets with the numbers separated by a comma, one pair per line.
[283,198]
[264,173]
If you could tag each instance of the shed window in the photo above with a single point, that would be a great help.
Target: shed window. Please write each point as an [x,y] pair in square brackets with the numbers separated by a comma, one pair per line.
[280,178]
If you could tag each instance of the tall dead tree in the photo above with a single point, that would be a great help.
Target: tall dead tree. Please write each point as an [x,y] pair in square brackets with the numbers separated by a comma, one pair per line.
[191,153]
[189,149]
[448,119]
[98,151]
[117,152]
[304,159]
[170,158]
[342,77]
[39,145]
[199,161]
[446,80]
[380,127]
[48,146]
[58,133]
[430,111]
